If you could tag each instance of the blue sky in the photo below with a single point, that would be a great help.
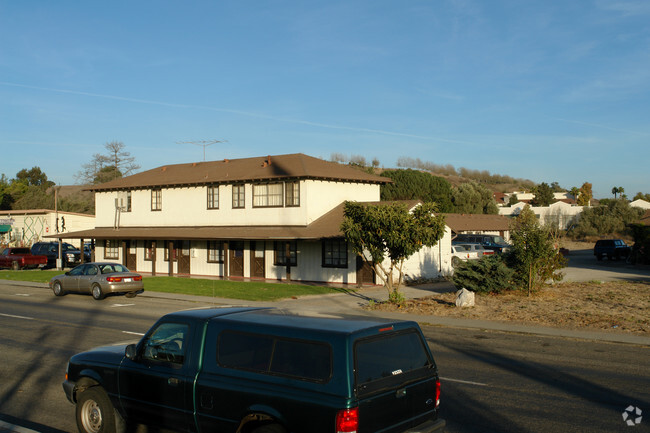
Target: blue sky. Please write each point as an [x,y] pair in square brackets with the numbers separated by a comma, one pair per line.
[548,90]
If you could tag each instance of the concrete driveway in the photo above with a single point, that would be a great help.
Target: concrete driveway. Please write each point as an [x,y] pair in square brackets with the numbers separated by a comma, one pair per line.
[583,266]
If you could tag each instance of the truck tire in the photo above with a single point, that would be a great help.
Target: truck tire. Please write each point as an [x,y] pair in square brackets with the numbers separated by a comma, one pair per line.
[95,413]
[97,292]
[57,288]
[15,265]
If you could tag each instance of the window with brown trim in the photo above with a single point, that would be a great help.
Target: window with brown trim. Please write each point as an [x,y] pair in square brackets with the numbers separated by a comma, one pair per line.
[267,195]
[335,253]
[156,199]
[238,196]
[111,249]
[215,251]
[292,194]
[148,250]
[280,253]
[174,255]
[213,197]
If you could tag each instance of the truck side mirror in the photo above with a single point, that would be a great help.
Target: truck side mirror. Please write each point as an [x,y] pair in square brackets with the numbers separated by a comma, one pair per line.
[130,351]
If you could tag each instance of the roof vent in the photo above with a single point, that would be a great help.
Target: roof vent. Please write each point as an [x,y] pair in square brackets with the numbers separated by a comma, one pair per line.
[163,169]
[226,160]
[267,162]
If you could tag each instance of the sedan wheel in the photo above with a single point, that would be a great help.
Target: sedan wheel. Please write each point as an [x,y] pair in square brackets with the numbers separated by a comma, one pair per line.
[97,293]
[58,289]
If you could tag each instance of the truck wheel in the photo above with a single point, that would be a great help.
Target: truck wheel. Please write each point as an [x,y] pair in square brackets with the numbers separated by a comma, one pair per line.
[269,428]
[15,265]
[95,413]
[57,288]
[97,292]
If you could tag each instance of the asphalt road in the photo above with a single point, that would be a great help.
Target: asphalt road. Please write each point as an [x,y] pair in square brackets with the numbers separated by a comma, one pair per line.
[492,381]
[583,266]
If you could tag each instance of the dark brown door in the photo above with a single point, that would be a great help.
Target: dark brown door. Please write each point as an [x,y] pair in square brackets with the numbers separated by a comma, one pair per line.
[236,259]
[257,260]
[184,257]
[365,273]
[130,254]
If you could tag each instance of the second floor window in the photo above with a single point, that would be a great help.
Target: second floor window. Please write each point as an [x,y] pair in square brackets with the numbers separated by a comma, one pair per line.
[267,195]
[213,197]
[156,199]
[238,196]
[292,193]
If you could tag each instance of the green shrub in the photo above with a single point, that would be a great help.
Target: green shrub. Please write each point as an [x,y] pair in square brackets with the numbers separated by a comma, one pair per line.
[487,275]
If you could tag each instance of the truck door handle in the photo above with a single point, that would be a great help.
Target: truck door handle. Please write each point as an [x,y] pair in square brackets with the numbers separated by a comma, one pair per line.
[173,381]
[400,393]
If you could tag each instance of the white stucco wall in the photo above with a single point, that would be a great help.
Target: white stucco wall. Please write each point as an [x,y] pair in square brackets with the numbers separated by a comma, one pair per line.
[188,206]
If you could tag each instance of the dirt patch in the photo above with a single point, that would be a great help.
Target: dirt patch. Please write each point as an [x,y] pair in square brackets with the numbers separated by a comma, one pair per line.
[611,306]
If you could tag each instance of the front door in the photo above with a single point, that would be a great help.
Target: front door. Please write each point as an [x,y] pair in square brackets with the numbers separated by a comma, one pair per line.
[130,254]
[184,258]
[365,273]
[257,260]
[236,259]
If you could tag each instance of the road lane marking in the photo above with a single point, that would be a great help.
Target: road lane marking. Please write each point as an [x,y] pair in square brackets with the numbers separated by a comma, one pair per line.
[121,305]
[467,382]
[22,294]
[16,317]
[133,333]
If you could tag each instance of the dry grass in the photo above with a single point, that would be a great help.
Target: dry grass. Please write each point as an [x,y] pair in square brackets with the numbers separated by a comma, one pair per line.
[612,306]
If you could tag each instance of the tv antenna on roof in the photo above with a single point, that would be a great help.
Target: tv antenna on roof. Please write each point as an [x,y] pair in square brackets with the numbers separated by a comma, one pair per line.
[204,143]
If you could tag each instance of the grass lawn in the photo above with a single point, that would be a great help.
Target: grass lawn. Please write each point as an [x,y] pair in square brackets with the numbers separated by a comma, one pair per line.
[244,290]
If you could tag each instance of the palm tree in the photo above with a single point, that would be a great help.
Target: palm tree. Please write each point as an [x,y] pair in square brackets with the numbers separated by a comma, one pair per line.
[615,191]
[575,191]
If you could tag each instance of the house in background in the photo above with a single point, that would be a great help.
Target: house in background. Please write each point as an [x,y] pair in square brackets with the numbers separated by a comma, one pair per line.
[640,203]
[26,227]
[560,213]
[478,224]
[274,217]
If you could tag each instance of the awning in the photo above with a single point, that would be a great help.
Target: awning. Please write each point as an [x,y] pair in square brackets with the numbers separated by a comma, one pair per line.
[5,228]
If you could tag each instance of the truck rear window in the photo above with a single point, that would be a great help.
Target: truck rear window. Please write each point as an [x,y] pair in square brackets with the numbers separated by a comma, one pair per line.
[302,359]
[389,355]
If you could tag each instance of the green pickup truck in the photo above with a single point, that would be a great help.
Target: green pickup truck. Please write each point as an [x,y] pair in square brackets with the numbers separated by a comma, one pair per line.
[260,370]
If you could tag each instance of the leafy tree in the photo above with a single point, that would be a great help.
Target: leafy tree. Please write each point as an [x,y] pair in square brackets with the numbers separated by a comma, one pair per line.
[641,196]
[33,177]
[611,217]
[543,195]
[487,275]
[534,255]
[377,232]
[417,185]
[106,167]
[473,198]
[585,196]
[513,200]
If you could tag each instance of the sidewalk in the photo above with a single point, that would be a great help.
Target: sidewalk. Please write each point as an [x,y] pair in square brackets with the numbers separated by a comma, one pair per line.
[349,302]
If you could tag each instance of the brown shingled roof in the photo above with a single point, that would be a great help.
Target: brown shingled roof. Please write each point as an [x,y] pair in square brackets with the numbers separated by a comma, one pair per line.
[291,166]
[476,222]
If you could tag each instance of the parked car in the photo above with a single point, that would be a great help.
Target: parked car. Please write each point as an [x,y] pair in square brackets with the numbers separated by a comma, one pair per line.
[71,256]
[260,370]
[612,248]
[489,242]
[21,258]
[460,253]
[98,279]
[478,248]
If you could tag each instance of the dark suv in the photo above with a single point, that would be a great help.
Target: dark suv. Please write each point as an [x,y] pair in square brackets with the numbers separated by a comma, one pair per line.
[612,248]
[71,256]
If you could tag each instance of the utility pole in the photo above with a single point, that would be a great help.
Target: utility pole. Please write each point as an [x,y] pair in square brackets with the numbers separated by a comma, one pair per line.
[204,143]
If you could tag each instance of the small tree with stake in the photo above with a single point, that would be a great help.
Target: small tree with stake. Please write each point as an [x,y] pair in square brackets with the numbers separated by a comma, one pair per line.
[534,255]
[375,232]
